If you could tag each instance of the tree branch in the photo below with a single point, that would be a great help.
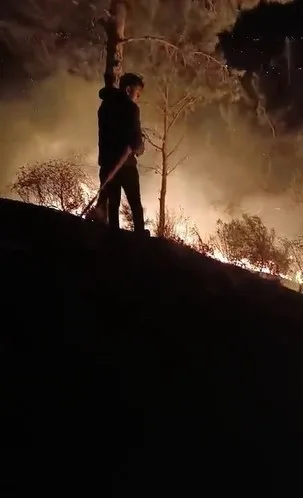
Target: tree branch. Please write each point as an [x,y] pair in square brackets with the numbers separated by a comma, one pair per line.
[175,147]
[183,99]
[157,147]
[162,89]
[162,40]
[150,168]
[171,170]
[210,57]
[157,39]
[187,103]
[153,132]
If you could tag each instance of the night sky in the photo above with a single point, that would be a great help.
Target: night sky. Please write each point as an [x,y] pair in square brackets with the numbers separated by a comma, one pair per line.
[258,44]
[260,34]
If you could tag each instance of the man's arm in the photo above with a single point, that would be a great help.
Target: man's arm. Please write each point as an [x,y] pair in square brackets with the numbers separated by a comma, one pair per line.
[136,142]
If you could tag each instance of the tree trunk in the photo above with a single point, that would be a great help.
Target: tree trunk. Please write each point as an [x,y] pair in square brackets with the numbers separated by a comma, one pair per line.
[162,199]
[164,174]
[115,32]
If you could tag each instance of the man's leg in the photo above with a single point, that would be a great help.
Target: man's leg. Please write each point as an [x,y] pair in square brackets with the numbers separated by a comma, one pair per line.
[108,202]
[131,186]
[101,209]
[113,191]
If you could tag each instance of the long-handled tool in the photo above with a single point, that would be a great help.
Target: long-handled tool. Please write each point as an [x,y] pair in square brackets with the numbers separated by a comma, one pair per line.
[128,151]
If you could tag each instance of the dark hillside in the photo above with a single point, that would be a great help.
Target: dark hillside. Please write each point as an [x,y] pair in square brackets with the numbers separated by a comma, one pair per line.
[139,368]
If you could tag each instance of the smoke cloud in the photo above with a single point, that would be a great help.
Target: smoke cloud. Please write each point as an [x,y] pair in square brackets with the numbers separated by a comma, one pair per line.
[57,118]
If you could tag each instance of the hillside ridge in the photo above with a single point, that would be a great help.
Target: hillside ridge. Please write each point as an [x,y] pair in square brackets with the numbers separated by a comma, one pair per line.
[139,367]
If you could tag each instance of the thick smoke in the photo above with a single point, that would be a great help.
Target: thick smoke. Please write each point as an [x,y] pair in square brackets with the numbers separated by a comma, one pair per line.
[57,118]
[52,61]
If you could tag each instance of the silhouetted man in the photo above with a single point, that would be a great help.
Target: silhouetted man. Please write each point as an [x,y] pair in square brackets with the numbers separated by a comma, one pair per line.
[120,136]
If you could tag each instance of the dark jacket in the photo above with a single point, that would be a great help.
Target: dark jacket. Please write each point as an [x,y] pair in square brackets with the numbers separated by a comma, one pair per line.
[119,127]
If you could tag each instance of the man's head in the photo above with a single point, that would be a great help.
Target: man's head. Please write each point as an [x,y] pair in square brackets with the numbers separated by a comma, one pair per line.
[132,85]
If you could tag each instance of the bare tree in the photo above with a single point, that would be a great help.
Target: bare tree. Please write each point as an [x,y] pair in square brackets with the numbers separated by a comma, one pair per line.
[248,242]
[59,184]
[172,112]
[176,86]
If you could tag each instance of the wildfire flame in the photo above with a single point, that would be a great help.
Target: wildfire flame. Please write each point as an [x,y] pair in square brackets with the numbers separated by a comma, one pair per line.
[183,232]
[244,263]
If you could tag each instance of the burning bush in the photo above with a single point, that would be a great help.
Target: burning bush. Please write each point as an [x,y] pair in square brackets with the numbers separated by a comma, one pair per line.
[296,251]
[248,241]
[57,183]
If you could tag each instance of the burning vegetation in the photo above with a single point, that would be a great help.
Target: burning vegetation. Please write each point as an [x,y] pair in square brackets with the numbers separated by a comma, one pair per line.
[245,241]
